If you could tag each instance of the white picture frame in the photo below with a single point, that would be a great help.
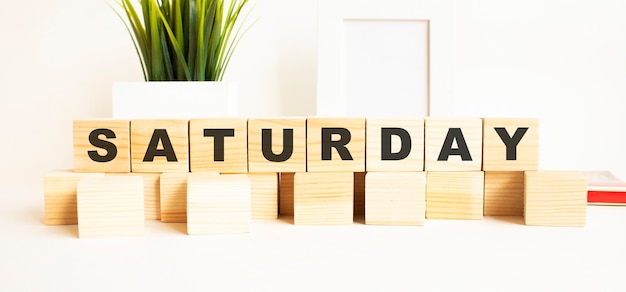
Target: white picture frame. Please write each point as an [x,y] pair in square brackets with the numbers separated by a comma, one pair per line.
[331,99]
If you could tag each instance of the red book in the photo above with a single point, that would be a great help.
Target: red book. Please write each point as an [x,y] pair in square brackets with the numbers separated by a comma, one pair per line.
[604,188]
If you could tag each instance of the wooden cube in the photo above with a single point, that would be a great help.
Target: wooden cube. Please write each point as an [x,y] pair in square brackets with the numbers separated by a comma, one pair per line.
[219,145]
[174,195]
[101,145]
[335,144]
[454,194]
[151,193]
[395,198]
[277,145]
[285,194]
[453,144]
[395,145]
[323,198]
[510,144]
[218,204]
[159,146]
[359,194]
[59,188]
[110,206]
[264,200]
[504,193]
[555,198]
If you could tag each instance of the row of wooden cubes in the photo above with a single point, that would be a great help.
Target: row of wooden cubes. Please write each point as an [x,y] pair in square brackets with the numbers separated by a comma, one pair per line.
[387,198]
[237,145]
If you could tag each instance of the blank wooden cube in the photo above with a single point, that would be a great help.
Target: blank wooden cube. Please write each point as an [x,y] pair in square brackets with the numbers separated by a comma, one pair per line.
[110,206]
[504,193]
[359,194]
[395,145]
[159,146]
[285,199]
[335,144]
[218,145]
[174,195]
[555,198]
[264,200]
[59,188]
[395,198]
[454,194]
[323,198]
[272,154]
[101,145]
[510,144]
[453,144]
[218,204]
[151,193]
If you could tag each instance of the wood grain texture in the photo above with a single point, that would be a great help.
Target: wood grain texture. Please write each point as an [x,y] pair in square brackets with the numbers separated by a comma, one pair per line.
[296,162]
[218,204]
[323,198]
[202,149]
[285,194]
[264,200]
[142,132]
[395,198]
[59,188]
[356,145]
[151,193]
[81,132]
[110,206]
[495,151]
[454,195]
[436,130]
[504,193]
[555,198]
[415,159]
[174,195]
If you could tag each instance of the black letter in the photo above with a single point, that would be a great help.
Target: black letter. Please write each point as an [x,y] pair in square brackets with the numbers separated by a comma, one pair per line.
[218,141]
[385,150]
[266,145]
[511,142]
[446,149]
[167,151]
[340,145]
[106,145]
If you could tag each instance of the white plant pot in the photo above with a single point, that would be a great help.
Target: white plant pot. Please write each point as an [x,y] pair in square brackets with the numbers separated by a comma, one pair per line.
[174,99]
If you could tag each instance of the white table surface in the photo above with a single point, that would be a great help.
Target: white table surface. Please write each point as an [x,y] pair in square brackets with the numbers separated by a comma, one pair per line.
[493,254]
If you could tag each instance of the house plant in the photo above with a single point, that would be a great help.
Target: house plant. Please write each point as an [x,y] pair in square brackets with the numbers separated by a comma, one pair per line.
[180,40]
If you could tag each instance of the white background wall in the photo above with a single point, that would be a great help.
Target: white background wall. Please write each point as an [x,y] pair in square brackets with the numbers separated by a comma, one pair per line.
[561,61]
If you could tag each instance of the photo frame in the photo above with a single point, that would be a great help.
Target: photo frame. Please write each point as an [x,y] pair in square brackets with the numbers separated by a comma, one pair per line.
[334,82]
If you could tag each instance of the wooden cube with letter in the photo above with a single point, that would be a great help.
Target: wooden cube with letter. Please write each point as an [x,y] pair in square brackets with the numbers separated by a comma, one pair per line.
[453,144]
[159,146]
[110,206]
[335,144]
[59,188]
[277,145]
[395,198]
[323,198]
[395,144]
[218,145]
[101,145]
[510,144]
[218,204]
[555,198]
[454,194]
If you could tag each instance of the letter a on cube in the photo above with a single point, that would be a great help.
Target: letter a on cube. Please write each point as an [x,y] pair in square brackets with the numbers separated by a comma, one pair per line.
[453,144]
[159,145]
